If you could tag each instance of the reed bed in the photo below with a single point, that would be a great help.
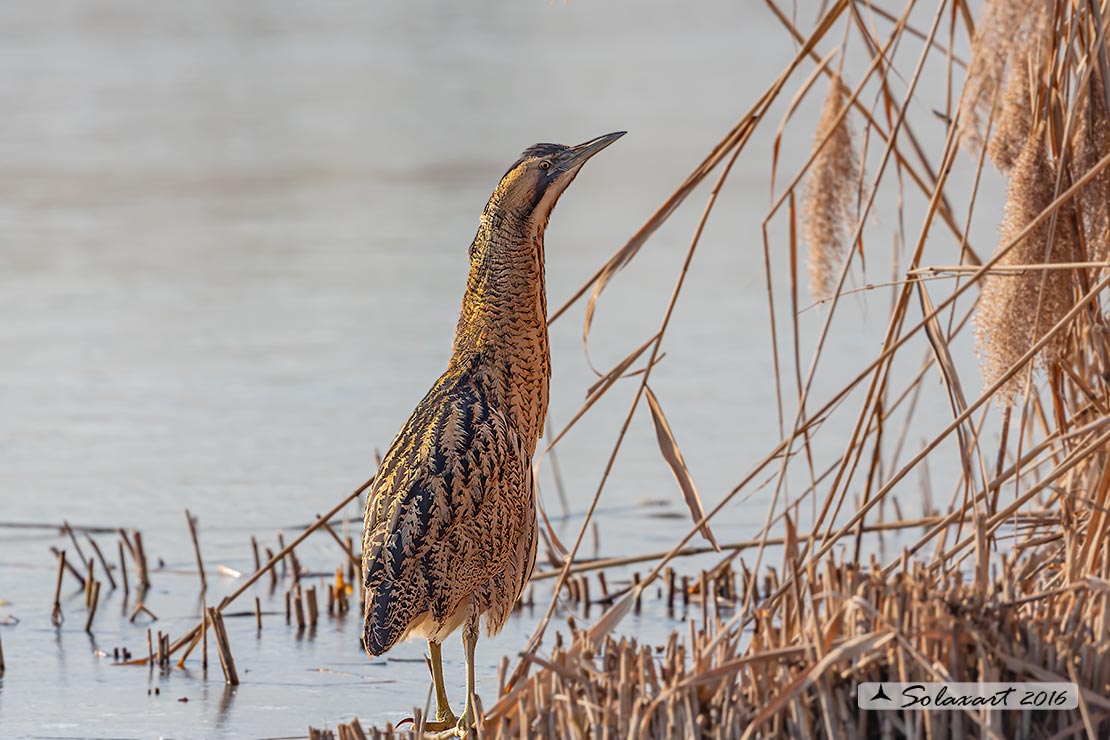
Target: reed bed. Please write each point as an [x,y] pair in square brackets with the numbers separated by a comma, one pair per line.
[1010,583]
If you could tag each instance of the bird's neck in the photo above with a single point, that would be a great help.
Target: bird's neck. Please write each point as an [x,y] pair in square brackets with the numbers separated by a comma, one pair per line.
[502,331]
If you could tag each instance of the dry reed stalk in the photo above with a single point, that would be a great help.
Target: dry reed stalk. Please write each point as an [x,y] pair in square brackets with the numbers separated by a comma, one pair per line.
[56,616]
[1009,323]
[103,561]
[73,538]
[313,606]
[2,666]
[188,651]
[345,546]
[123,571]
[298,606]
[829,198]
[223,646]
[89,580]
[142,574]
[269,566]
[196,549]
[94,600]
[354,566]
[273,571]
[68,567]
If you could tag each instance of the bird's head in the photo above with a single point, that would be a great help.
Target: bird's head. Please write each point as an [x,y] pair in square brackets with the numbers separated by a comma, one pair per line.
[529,190]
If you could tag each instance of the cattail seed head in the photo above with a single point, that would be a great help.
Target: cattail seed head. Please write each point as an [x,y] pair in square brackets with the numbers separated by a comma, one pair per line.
[829,197]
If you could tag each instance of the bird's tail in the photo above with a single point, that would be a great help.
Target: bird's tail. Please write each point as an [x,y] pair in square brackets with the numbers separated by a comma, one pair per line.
[386,621]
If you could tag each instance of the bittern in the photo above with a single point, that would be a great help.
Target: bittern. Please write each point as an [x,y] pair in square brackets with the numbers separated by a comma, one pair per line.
[450,530]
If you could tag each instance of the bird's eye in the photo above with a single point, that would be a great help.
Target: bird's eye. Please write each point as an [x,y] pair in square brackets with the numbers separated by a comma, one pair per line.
[545,165]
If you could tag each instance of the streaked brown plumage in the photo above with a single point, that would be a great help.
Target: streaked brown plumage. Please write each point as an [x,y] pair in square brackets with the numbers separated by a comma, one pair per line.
[450,530]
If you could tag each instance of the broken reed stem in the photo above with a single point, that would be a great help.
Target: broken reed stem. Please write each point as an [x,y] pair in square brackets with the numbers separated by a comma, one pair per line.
[192,645]
[313,607]
[223,647]
[1,658]
[273,571]
[73,538]
[351,558]
[254,551]
[92,605]
[142,575]
[258,612]
[56,617]
[123,571]
[196,549]
[183,640]
[103,562]
[69,567]
[298,606]
[89,580]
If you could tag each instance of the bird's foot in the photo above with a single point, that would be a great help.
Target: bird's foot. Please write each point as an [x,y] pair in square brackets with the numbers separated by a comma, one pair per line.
[437,731]
[445,720]
[466,721]
[444,730]
[439,728]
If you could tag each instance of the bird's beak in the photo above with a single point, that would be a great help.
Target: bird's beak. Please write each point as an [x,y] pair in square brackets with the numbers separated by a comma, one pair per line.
[577,155]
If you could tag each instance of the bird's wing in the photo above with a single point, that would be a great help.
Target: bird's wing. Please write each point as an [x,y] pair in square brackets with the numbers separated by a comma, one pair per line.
[452,497]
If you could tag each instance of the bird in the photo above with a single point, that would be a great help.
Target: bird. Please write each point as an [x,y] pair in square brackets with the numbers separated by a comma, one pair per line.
[450,522]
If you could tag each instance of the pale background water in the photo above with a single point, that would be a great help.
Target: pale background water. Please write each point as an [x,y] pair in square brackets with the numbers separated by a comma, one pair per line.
[232,248]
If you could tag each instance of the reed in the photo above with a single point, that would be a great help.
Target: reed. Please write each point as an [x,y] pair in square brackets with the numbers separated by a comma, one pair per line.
[998,588]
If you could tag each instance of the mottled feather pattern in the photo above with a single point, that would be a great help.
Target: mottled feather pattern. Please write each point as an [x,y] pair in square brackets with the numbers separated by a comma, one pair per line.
[451,503]
[451,531]
[451,516]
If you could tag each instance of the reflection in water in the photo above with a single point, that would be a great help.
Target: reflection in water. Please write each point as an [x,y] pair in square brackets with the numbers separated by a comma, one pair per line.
[223,712]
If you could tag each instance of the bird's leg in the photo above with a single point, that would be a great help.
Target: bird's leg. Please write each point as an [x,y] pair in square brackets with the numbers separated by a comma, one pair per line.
[444,714]
[470,639]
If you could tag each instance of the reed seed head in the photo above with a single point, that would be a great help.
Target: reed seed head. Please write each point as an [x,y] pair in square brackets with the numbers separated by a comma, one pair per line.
[1018,309]
[829,198]
[997,34]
